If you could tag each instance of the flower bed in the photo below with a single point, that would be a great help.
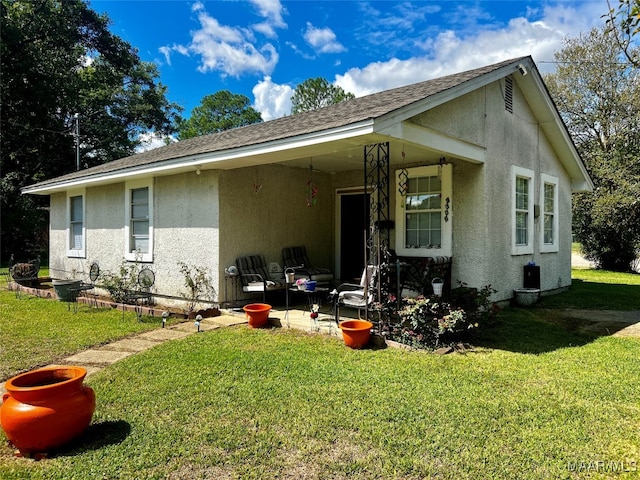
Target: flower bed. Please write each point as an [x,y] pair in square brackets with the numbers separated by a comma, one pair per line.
[431,322]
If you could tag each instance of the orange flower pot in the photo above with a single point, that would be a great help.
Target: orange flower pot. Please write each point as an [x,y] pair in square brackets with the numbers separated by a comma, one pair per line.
[258,314]
[356,333]
[46,408]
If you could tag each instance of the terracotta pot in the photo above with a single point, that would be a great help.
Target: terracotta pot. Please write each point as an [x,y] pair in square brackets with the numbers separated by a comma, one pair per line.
[356,333]
[258,314]
[46,408]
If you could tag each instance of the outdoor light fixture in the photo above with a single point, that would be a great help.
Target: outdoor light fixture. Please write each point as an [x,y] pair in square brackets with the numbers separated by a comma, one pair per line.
[198,170]
[197,324]
[522,69]
[165,315]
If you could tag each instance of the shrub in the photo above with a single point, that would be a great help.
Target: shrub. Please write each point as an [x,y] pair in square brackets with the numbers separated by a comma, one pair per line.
[431,321]
[121,283]
[199,286]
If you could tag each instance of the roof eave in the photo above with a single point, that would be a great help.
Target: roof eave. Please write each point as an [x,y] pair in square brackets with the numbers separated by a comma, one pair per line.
[223,159]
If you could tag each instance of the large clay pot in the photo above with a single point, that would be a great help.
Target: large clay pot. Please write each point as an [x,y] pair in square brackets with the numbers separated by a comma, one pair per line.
[46,408]
[356,333]
[258,314]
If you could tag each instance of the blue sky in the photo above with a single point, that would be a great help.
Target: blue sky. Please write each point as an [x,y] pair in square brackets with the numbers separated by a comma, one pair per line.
[264,48]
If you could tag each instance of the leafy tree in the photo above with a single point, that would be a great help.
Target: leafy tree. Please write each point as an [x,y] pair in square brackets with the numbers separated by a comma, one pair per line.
[598,95]
[624,22]
[58,58]
[316,93]
[221,111]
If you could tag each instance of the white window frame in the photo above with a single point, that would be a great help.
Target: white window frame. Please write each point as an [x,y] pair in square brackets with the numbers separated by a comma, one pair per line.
[76,252]
[446,174]
[520,172]
[553,246]
[130,254]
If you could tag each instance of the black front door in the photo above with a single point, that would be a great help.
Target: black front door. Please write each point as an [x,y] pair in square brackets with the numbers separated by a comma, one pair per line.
[354,222]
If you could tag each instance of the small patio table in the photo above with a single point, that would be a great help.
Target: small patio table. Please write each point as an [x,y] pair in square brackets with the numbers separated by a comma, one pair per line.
[313,297]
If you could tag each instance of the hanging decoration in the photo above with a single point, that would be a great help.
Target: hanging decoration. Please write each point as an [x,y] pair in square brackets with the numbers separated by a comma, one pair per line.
[403,177]
[443,161]
[311,189]
[257,186]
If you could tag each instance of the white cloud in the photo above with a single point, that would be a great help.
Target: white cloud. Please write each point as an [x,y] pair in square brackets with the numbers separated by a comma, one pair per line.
[272,100]
[323,40]
[272,10]
[295,48]
[450,52]
[151,140]
[232,50]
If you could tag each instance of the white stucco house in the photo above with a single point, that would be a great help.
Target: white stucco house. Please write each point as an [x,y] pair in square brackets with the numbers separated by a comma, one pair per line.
[479,168]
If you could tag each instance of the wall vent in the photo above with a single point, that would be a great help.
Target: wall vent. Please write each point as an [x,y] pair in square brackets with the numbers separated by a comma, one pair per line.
[508,94]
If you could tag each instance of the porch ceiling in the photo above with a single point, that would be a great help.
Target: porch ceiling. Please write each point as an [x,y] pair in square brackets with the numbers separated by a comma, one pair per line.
[340,155]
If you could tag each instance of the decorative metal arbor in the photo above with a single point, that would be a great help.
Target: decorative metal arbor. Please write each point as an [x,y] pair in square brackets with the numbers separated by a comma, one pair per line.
[376,185]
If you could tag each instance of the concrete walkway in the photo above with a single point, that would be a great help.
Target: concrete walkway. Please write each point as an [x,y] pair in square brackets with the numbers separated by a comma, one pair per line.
[95,359]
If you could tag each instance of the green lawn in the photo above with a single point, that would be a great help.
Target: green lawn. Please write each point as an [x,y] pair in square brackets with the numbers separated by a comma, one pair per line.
[36,331]
[598,289]
[530,401]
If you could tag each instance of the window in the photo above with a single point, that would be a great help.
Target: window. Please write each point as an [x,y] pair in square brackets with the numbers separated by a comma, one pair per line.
[139,222]
[76,230]
[522,211]
[423,214]
[549,202]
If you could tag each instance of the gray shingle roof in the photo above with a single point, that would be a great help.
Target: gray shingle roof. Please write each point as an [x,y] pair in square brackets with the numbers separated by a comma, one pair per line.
[346,113]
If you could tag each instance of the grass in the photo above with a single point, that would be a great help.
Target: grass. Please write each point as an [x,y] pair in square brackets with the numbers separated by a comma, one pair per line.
[598,289]
[531,401]
[36,331]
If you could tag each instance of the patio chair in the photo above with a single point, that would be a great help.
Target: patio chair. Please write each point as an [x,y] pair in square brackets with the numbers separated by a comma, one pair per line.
[254,275]
[296,258]
[87,288]
[142,295]
[357,296]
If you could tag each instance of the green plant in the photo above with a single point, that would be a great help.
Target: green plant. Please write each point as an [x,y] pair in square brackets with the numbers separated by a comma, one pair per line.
[119,284]
[430,321]
[199,286]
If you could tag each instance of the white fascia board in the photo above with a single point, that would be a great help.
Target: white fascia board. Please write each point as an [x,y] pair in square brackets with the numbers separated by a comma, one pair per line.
[437,141]
[277,146]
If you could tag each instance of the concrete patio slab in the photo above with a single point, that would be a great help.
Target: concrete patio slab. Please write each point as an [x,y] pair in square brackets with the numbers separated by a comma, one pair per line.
[99,357]
[230,320]
[164,334]
[190,327]
[131,345]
